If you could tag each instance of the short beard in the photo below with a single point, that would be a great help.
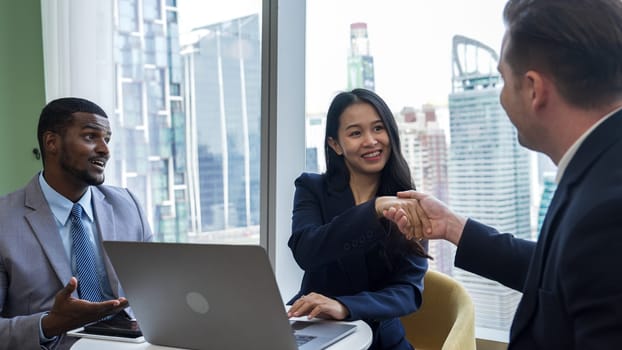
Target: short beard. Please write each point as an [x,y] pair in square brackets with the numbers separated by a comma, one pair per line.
[81,174]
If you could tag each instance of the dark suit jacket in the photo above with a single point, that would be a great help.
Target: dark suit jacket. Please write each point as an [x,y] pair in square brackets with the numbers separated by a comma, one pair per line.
[33,263]
[344,252]
[571,278]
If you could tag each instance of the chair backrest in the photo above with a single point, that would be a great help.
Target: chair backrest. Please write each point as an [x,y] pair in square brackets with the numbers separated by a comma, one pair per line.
[445,320]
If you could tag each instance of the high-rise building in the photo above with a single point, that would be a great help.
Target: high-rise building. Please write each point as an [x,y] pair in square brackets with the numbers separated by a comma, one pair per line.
[149,122]
[425,149]
[360,60]
[489,170]
[223,75]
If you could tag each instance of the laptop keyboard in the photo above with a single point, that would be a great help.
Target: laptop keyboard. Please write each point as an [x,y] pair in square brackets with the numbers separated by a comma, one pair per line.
[300,338]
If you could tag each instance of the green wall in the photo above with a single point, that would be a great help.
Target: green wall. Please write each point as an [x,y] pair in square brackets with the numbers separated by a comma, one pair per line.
[22,91]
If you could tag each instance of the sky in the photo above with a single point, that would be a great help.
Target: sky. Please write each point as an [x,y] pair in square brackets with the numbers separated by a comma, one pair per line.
[410,40]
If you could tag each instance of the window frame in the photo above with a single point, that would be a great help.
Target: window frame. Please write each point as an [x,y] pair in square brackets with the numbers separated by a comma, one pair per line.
[283,138]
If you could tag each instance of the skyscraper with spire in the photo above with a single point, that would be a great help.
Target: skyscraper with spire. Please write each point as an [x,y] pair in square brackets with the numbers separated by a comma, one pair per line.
[360,61]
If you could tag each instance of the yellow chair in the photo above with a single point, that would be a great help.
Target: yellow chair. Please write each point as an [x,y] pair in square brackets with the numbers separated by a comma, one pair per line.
[446,319]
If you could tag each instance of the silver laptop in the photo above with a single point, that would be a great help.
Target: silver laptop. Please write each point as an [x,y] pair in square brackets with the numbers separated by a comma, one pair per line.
[206,296]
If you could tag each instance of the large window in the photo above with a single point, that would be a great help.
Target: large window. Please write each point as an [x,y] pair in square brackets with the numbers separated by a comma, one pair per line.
[434,62]
[181,82]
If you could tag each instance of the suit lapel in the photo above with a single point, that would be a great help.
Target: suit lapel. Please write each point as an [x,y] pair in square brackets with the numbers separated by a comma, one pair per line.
[337,201]
[601,138]
[41,220]
[528,302]
[104,217]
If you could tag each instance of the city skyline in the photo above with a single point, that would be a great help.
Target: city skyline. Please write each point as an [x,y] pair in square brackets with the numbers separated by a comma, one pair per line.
[412,67]
[159,202]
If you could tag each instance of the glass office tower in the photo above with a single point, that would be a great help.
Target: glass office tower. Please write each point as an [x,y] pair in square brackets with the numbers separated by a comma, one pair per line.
[223,75]
[148,124]
[489,170]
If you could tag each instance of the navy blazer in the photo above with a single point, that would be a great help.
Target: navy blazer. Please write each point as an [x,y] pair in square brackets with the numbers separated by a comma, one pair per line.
[570,279]
[344,251]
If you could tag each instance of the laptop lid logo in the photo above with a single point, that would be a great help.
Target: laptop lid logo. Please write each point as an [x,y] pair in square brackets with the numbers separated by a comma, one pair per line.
[197,302]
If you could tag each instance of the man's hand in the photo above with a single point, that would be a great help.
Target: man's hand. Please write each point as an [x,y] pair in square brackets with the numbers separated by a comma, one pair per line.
[442,224]
[412,219]
[68,312]
[316,305]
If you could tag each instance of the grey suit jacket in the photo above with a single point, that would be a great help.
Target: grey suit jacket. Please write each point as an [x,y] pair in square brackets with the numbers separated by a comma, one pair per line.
[33,263]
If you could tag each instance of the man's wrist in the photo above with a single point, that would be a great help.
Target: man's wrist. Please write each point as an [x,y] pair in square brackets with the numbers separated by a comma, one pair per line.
[455,229]
[42,336]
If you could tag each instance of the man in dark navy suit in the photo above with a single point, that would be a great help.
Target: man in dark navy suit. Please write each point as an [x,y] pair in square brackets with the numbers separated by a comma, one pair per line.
[561,62]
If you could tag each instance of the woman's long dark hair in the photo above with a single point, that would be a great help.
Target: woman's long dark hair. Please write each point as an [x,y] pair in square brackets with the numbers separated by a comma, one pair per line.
[395,175]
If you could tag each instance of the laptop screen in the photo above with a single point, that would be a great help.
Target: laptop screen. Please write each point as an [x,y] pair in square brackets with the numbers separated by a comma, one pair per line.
[204,296]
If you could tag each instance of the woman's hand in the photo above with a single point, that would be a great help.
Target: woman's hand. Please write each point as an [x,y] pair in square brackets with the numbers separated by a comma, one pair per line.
[317,305]
[407,214]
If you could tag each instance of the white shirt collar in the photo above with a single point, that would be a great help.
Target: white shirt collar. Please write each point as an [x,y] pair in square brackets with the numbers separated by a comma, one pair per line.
[60,205]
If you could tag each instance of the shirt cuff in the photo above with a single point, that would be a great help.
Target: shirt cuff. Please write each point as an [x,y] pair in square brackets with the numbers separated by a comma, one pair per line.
[42,337]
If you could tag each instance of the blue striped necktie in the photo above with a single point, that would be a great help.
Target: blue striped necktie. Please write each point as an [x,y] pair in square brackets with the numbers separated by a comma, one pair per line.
[83,252]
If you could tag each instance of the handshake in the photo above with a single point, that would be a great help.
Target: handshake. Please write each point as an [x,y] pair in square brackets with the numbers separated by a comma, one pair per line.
[421,216]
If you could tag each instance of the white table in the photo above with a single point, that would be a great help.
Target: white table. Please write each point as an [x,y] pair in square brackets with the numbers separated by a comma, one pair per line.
[360,339]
